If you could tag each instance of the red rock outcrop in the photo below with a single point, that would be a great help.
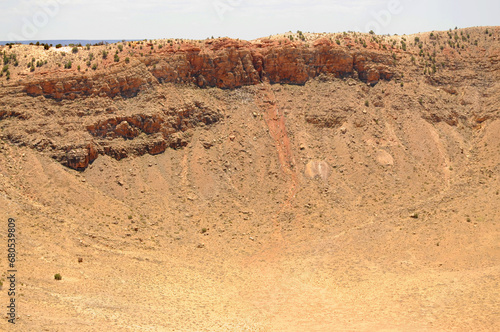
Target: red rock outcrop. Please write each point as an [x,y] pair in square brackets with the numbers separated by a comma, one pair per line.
[223,63]
[124,80]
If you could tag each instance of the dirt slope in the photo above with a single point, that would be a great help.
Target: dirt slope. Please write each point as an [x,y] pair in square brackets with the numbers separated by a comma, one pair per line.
[343,203]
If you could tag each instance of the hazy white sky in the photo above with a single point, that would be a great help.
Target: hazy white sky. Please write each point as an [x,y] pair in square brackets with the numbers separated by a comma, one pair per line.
[245,19]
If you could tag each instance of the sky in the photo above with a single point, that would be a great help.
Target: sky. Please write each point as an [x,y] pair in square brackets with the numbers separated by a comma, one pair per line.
[244,19]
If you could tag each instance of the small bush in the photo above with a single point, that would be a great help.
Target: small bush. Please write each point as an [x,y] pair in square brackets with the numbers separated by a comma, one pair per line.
[117,58]
[104,54]
[127,60]
[338,42]
[68,65]
[120,47]
[74,50]
[94,66]
[203,230]
[57,276]
[58,46]
[367,103]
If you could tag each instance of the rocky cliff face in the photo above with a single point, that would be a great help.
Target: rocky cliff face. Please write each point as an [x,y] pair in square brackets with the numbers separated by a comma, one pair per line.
[223,63]
[125,81]
[144,97]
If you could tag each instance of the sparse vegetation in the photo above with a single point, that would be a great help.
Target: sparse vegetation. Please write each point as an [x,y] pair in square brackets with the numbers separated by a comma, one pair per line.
[74,50]
[57,276]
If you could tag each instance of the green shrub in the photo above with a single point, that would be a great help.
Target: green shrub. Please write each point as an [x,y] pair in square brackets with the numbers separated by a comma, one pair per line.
[74,50]
[104,54]
[94,66]
[120,47]
[57,276]
[58,46]
[127,60]
[117,58]
[68,65]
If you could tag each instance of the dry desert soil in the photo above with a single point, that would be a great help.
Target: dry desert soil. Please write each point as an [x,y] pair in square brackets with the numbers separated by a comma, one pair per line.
[298,182]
